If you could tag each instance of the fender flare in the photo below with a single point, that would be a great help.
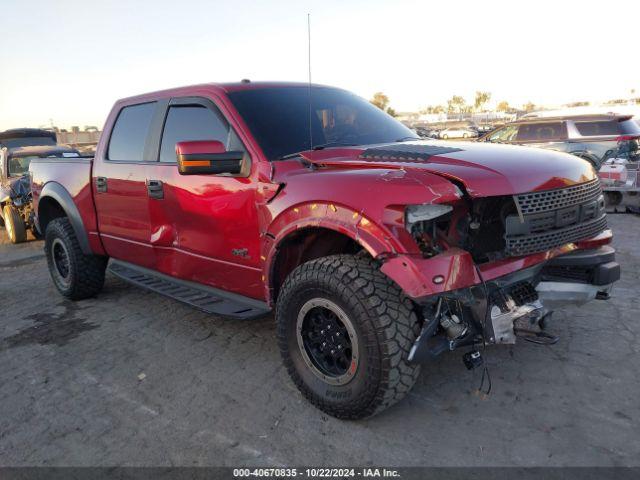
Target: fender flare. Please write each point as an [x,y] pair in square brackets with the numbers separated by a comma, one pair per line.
[343,220]
[57,192]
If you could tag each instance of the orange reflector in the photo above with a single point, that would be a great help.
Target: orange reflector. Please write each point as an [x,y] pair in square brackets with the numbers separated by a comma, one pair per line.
[196,163]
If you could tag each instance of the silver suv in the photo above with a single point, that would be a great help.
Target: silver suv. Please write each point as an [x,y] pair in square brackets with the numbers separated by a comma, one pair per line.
[592,137]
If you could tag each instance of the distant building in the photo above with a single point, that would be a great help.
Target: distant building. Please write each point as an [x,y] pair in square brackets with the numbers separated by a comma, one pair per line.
[84,140]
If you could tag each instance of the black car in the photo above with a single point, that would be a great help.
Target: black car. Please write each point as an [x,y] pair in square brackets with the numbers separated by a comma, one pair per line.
[16,211]
[595,138]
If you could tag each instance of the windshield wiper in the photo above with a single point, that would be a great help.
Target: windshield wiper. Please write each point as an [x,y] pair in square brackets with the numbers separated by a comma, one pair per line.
[322,146]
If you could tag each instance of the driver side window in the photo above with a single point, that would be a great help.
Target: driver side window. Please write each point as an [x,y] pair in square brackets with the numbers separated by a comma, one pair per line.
[195,122]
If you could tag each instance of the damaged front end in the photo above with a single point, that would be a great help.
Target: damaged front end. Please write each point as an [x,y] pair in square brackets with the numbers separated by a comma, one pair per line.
[492,270]
[495,312]
[21,198]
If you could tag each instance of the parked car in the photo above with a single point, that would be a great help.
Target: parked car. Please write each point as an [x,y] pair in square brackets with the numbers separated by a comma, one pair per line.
[23,137]
[16,212]
[378,251]
[458,132]
[425,132]
[595,138]
[485,128]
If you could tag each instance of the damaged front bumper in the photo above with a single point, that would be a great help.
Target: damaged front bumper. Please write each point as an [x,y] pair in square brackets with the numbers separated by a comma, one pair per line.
[502,308]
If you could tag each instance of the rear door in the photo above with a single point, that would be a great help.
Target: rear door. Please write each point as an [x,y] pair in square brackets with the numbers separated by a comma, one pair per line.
[119,185]
[602,139]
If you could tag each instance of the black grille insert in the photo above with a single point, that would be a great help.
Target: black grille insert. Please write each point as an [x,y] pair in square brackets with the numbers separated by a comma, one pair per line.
[540,242]
[537,202]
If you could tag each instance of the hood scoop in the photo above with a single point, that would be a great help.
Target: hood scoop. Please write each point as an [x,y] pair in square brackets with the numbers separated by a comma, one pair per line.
[406,152]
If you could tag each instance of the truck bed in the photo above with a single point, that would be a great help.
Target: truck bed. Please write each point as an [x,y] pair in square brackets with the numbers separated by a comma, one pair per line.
[74,175]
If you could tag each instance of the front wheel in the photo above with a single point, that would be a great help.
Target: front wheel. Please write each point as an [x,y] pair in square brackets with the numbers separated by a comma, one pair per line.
[445,136]
[16,230]
[344,332]
[75,275]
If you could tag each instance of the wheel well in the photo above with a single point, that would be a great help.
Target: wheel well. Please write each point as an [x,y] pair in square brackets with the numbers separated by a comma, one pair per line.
[48,209]
[305,245]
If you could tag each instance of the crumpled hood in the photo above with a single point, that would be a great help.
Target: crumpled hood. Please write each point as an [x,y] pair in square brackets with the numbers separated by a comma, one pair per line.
[483,169]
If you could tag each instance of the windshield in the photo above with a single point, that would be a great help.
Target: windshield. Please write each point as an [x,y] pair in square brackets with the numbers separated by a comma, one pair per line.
[18,166]
[279,119]
[27,141]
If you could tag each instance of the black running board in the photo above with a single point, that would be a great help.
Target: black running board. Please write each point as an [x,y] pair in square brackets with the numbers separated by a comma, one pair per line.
[207,299]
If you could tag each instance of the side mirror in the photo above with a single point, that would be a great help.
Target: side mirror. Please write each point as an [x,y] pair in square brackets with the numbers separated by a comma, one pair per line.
[207,157]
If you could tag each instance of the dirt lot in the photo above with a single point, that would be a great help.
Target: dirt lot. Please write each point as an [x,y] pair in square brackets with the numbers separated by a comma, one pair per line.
[132,378]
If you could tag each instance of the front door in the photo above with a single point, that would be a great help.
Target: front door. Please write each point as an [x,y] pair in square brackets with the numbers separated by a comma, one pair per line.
[205,227]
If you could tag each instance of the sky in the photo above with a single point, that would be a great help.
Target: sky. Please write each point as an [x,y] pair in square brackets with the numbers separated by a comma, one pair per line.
[65,61]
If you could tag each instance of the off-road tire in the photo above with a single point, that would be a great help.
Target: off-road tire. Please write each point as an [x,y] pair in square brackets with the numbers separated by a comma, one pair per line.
[386,327]
[85,272]
[16,229]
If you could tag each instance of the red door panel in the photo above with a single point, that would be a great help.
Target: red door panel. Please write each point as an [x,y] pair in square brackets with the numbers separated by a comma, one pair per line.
[123,213]
[205,229]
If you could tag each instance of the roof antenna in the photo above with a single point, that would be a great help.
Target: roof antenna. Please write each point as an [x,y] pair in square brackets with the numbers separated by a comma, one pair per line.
[309,61]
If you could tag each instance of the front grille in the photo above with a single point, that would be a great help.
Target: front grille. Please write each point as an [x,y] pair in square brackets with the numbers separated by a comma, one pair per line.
[540,242]
[537,202]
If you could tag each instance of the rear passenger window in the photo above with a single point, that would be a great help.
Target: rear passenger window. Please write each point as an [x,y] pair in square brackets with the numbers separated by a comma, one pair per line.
[130,132]
[194,122]
[542,132]
[590,129]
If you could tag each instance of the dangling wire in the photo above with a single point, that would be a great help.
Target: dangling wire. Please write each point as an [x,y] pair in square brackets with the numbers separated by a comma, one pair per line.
[485,371]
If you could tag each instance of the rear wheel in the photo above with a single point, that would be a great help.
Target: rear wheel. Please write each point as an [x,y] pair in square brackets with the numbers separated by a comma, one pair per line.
[16,230]
[445,136]
[345,331]
[75,275]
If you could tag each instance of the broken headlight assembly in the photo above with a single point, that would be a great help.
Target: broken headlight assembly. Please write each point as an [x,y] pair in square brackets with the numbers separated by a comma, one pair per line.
[421,221]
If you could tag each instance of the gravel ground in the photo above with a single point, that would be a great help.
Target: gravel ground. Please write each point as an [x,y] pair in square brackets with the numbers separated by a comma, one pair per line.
[132,378]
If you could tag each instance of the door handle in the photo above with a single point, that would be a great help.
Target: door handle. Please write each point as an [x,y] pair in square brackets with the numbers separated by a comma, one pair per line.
[101,184]
[155,189]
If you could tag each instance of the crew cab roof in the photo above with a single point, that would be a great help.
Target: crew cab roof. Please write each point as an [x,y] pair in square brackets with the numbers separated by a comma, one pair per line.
[213,87]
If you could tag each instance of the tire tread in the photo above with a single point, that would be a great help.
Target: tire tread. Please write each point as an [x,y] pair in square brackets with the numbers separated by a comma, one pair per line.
[89,270]
[395,325]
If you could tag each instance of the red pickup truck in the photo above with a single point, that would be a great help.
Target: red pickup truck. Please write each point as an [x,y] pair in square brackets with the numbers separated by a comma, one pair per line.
[377,250]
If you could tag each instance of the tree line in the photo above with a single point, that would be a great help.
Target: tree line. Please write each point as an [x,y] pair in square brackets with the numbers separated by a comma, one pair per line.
[456,104]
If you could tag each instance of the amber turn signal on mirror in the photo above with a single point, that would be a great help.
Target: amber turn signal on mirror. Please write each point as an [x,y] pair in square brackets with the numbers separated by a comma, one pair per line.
[207,157]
